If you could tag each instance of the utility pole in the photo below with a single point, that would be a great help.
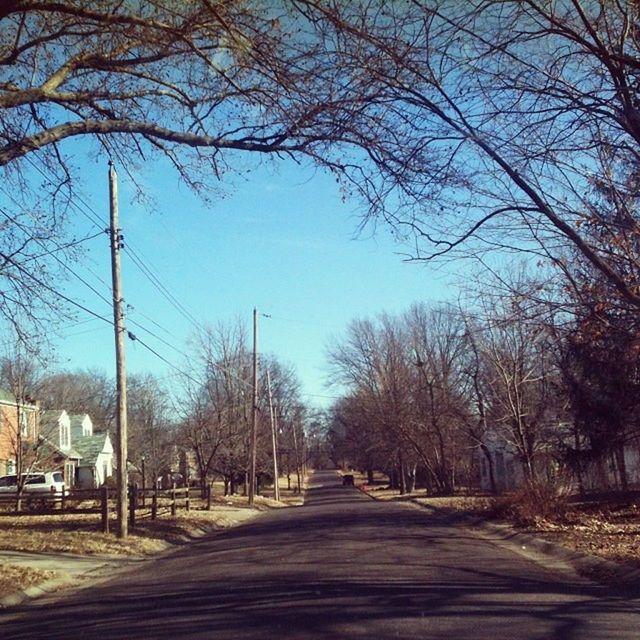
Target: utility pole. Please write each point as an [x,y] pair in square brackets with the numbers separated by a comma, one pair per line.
[254,414]
[274,441]
[121,375]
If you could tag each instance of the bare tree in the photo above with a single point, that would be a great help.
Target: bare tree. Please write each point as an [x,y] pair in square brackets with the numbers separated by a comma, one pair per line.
[152,434]
[521,390]
[217,403]
[19,374]
[437,339]
[91,392]
[489,124]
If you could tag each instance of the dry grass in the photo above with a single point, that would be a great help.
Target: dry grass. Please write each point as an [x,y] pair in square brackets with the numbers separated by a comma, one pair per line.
[606,528]
[609,532]
[81,533]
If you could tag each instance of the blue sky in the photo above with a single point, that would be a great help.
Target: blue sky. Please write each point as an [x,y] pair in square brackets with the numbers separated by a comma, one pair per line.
[281,240]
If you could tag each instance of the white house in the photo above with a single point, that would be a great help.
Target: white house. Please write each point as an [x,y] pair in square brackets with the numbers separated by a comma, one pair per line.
[596,475]
[507,472]
[55,431]
[87,458]
[96,464]
[96,451]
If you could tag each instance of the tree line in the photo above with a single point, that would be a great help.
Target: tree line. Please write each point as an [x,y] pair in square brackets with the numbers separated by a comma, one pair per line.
[468,129]
[195,423]
[438,391]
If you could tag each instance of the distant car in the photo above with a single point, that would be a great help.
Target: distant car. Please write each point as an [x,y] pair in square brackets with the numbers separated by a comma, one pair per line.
[347,480]
[42,487]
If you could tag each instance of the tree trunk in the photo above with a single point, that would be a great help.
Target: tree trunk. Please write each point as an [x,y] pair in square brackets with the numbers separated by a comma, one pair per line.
[411,486]
[491,469]
[621,464]
[403,479]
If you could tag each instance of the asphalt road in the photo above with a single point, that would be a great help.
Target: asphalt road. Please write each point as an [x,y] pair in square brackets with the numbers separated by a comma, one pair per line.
[341,566]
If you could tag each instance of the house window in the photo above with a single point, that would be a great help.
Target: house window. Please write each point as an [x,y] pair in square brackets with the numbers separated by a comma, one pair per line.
[11,467]
[65,437]
[69,474]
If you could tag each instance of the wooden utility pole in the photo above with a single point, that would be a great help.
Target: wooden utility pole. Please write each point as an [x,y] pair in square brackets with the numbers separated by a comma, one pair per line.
[121,376]
[274,441]
[297,454]
[254,414]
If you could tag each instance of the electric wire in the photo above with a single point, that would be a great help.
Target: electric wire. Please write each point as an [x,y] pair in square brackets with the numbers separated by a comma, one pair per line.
[58,259]
[90,213]
[55,291]
[160,287]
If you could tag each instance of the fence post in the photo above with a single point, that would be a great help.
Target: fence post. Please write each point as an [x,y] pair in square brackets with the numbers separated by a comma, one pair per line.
[104,508]
[188,505]
[133,499]
[209,496]
[173,498]
[154,503]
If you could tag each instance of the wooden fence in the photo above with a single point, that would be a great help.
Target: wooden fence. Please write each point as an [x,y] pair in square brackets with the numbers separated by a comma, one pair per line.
[143,504]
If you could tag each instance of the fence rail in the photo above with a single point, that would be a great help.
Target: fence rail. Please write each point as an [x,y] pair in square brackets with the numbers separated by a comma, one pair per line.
[143,503]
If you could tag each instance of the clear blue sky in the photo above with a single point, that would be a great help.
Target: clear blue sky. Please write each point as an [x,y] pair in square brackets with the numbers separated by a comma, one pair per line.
[282,240]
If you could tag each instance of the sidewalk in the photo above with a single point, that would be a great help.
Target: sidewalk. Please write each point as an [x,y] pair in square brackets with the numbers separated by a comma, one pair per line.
[71,570]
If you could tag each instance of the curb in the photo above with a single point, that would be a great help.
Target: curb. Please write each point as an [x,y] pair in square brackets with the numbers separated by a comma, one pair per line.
[613,574]
[65,579]
[35,591]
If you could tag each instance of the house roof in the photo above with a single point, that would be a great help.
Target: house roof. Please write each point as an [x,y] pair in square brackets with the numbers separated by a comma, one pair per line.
[51,415]
[77,419]
[90,447]
[51,447]
[6,397]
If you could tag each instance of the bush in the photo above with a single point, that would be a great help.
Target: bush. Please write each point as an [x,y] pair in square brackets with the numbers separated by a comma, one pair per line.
[527,506]
[110,482]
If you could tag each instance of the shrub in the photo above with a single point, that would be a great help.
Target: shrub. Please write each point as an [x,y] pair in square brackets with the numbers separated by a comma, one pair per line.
[527,506]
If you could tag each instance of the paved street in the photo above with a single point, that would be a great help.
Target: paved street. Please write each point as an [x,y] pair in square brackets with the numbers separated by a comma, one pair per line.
[342,566]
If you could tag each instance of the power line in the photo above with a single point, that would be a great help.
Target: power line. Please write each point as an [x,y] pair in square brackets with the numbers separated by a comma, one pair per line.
[55,291]
[160,287]
[64,264]
[135,338]
[88,211]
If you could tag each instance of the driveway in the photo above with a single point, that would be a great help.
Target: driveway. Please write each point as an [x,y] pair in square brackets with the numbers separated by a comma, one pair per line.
[341,566]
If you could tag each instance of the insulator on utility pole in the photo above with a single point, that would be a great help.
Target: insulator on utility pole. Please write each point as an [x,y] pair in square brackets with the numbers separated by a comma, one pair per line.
[254,414]
[121,377]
